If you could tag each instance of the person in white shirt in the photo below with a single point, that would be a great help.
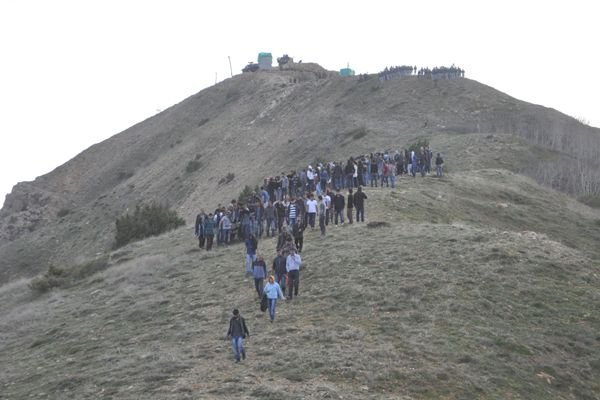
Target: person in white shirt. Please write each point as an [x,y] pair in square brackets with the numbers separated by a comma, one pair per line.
[292,266]
[311,206]
[328,213]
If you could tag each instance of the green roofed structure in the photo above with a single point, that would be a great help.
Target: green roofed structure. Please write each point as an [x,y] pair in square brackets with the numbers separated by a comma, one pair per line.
[265,61]
[346,72]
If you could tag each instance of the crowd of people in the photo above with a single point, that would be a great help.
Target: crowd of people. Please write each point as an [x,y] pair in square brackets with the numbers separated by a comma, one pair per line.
[288,204]
[396,72]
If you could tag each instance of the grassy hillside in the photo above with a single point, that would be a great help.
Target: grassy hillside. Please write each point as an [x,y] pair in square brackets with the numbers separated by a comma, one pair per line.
[483,285]
[258,124]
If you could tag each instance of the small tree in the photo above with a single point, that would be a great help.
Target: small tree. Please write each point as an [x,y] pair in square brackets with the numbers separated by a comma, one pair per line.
[417,144]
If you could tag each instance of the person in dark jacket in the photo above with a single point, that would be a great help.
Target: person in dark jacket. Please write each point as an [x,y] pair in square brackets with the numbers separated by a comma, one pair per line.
[259,272]
[359,204]
[237,333]
[279,270]
[439,162]
[298,233]
[209,231]
[350,206]
[338,207]
[199,229]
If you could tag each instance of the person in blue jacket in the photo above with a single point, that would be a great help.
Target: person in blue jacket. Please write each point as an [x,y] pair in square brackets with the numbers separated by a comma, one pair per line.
[273,292]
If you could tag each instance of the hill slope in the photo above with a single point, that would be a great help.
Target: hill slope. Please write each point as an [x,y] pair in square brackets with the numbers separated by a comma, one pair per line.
[254,125]
[452,300]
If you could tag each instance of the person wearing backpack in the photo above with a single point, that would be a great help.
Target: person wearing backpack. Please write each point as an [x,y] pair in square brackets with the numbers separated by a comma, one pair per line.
[273,292]
[259,272]
[237,333]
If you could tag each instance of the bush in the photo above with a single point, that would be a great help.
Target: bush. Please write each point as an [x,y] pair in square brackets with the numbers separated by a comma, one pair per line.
[147,220]
[417,144]
[357,133]
[63,212]
[59,277]
[192,166]
[226,179]
[244,194]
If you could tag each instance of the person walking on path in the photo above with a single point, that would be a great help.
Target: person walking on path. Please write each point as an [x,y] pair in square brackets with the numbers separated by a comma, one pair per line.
[322,214]
[209,231]
[359,204]
[350,206]
[311,205]
[259,272]
[273,292]
[439,162]
[338,206]
[237,333]
[251,247]
[199,228]
[292,267]
[279,270]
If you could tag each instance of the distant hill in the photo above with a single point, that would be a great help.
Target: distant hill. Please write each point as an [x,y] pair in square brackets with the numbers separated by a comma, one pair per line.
[254,125]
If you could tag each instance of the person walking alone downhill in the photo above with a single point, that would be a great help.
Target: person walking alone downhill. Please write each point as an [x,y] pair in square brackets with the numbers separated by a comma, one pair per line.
[237,333]
[273,292]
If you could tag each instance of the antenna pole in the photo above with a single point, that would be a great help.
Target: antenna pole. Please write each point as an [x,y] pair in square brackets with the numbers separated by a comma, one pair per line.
[230,69]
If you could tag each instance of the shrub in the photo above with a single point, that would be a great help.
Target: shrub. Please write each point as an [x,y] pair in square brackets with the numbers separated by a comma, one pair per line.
[244,194]
[63,212]
[192,166]
[417,144]
[147,220]
[226,179]
[58,277]
[357,133]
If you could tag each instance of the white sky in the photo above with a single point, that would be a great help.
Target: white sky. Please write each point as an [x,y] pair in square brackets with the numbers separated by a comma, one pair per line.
[73,73]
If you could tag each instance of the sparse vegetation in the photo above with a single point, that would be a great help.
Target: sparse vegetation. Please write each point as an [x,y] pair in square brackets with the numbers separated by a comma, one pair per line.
[56,277]
[246,192]
[63,212]
[357,133]
[417,144]
[226,179]
[147,220]
[193,165]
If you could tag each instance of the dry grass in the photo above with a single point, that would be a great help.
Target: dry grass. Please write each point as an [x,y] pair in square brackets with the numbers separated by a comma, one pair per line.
[459,307]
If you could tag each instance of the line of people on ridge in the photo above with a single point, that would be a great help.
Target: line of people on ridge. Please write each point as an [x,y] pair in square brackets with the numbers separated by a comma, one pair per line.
[298,208]
[312,191]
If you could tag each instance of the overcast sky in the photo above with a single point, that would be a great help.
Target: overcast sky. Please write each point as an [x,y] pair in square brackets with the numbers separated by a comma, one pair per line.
[73,73]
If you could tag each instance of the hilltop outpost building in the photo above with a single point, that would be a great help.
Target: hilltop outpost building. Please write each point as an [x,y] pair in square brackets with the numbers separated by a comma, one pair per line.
[265,61]
[347,71]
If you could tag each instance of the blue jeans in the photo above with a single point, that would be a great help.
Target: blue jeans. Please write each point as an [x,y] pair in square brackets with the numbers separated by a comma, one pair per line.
[349,181]
[250,258]
[225,236]
[438,170]
[393,181]
[272,303]
[237,343]
[337,182]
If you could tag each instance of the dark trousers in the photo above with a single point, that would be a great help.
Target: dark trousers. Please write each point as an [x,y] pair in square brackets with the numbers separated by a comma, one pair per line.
[201,241]
[209,242]
[311,219]
[360,213]
[293,282]
[258,285]
[322,224]
[339,213]
[349,212]
[299,242]
[328,216]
